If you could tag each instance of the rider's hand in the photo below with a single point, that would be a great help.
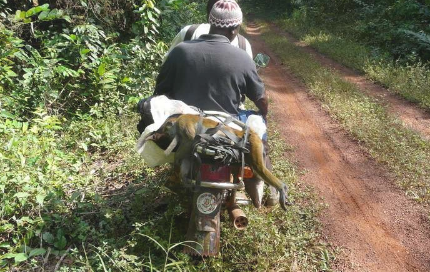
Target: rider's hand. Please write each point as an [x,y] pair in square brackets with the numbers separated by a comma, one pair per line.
[263,106]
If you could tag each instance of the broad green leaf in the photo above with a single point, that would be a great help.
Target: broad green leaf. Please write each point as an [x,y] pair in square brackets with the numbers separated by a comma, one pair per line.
[22,195]
[8,256]
[19,15]
[20,257]
[61,242]
[67,18]
[36,10]
[37,252]
[43,15]
[7,114]
[40,198]
[4,245]
[6,227]
[48,237]
[11,73]
[85,51]
[53,14]
[102,69]
[24,127]
[25,219]
[30,12]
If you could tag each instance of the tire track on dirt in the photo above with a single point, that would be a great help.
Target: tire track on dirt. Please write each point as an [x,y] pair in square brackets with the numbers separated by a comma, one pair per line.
[376,225]
[411,115]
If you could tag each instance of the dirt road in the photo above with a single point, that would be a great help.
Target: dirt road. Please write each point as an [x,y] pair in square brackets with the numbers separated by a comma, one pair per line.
[378,228]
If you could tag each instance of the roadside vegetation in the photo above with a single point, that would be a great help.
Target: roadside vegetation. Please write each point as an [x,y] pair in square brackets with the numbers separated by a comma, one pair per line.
[388,40]
[385,138]
[74,195]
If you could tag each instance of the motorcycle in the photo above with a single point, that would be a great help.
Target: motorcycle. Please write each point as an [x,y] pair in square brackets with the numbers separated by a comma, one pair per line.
[220,174]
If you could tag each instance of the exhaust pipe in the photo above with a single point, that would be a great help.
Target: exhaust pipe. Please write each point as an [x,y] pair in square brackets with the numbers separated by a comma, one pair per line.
[237,217]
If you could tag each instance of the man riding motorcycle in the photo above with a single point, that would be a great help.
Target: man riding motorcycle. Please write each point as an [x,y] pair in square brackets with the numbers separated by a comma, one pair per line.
[210,74]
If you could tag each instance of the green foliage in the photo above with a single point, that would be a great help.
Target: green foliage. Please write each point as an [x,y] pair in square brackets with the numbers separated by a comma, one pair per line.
[398,27]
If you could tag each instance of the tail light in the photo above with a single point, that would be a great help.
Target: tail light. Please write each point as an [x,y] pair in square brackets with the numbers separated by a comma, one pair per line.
[214,172]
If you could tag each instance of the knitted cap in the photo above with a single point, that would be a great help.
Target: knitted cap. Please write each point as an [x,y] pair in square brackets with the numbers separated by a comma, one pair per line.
[225,14]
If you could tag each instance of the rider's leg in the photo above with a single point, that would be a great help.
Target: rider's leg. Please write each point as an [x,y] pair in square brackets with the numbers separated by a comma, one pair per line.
[255,189]
[273,197]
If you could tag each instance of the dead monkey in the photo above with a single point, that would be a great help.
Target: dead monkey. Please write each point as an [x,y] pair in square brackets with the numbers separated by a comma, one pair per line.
[180,130]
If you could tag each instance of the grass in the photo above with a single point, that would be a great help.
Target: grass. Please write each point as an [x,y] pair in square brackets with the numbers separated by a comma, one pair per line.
[409,81]
[405,153]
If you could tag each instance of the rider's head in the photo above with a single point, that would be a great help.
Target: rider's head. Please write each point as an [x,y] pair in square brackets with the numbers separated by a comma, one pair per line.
[225,18]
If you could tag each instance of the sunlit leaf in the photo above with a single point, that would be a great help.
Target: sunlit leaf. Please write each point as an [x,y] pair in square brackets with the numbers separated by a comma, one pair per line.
[40,198]
[20,257]
[37,252]
[102,69]
[22,195]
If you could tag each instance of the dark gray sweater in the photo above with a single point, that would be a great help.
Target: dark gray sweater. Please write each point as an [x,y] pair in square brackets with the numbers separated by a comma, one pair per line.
[210,74]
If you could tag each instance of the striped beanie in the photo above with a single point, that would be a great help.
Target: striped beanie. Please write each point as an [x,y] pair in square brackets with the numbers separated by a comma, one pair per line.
[225,14]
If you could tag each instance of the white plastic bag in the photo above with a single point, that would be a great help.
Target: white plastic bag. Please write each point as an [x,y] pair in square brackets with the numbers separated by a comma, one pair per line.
[151,153]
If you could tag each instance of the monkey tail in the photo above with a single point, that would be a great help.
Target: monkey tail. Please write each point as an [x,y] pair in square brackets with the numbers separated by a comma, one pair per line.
[259,166]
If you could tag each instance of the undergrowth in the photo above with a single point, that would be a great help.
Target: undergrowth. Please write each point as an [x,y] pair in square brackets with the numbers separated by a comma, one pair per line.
[402,150]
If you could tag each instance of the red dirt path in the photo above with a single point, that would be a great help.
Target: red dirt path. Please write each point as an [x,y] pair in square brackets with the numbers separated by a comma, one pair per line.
[376,225]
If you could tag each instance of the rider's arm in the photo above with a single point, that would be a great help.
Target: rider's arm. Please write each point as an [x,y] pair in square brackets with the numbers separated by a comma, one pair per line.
[263,106]
[255,90]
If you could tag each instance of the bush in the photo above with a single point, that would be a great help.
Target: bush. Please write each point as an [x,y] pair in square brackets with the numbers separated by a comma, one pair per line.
[69,79]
